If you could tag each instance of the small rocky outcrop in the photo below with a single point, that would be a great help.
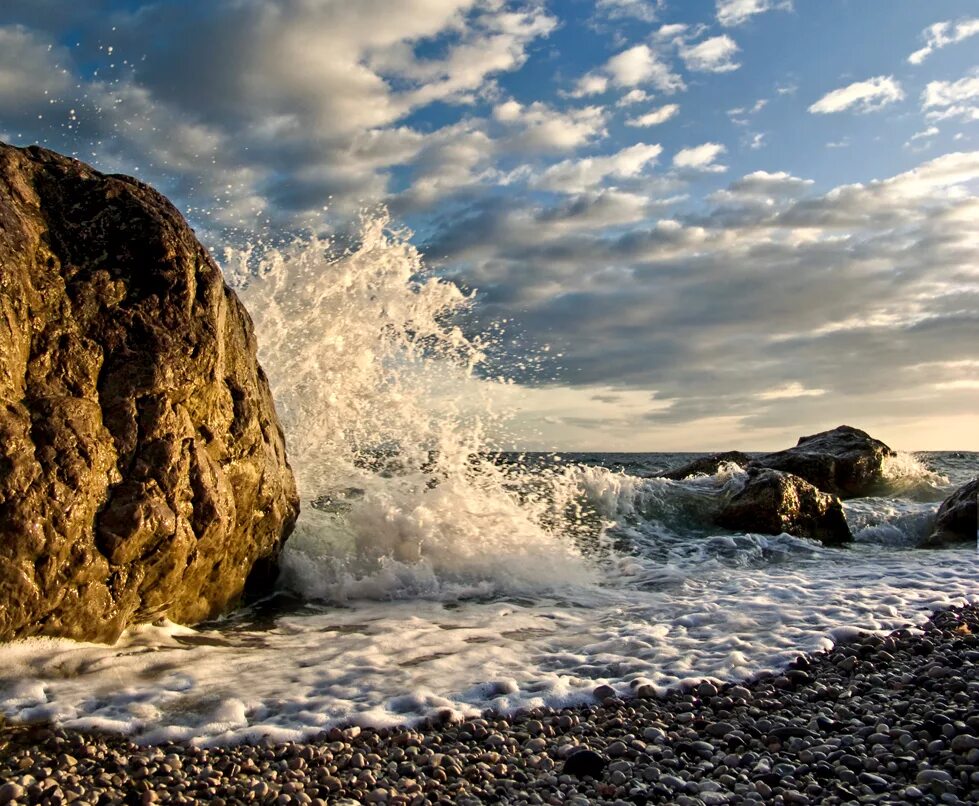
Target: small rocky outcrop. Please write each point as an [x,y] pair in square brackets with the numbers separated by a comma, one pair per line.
[956,521]
[707,465]
[772,502]
[142,467]
[846,462]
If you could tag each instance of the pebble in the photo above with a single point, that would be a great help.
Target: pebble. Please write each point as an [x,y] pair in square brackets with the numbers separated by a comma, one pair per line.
[879,720]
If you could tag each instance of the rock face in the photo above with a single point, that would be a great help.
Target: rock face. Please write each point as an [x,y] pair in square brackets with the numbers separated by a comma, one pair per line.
[142,467]
[707,465]
[772,502]
[957,518]
[846,461]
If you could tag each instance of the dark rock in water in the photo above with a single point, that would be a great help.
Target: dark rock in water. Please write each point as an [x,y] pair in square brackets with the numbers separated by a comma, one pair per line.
[706,465]
[957,518]
[772,502]
[846,461]
[142,467]
[583,763]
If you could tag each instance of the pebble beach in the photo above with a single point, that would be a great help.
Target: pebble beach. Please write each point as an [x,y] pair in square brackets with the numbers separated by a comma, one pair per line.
[879,719]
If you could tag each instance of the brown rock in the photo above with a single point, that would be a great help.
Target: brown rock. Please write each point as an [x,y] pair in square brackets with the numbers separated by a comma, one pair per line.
[706,465]
[142,467]
[772,502]
[956,518]
[846,462]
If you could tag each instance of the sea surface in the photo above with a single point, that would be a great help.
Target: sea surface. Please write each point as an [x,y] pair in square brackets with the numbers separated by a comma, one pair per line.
[430,574]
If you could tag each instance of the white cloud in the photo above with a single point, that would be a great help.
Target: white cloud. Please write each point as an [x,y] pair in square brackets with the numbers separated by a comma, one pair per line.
[590,84]
[637,66]
[761,189]
[640,65]
[644,10]
[861,96]
[633,97]
[714,55]
[737,12]
[655,117]
[790,390]
[700,158]
[30,71]
[942,34]
[577,176]
[926,134]
[952,99]
[540,127]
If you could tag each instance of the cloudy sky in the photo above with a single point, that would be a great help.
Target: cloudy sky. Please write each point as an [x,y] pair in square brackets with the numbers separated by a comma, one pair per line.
[735,221]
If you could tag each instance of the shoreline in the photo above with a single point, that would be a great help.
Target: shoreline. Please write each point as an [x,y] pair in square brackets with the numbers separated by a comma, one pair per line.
[878,719]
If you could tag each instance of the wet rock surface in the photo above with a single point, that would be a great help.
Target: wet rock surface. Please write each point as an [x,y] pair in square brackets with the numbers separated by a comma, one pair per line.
[956,520]
[707,465]
[142,467]
[772,502]
[882,719]
[846,461]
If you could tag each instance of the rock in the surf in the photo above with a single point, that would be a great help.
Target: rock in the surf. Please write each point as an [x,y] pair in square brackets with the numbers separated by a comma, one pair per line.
[957,518]
[707,465]
[846,461]
[142,467]
[772,502]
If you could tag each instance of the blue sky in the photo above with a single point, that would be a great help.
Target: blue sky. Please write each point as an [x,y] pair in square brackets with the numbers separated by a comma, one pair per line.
[739,220]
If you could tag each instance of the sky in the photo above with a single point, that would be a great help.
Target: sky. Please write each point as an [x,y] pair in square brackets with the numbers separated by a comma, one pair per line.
[731,222]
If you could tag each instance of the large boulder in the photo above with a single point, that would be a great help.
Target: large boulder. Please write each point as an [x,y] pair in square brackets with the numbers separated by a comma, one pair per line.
[772,502]
[846,462]
[707,465]
[956,521]
[142,467]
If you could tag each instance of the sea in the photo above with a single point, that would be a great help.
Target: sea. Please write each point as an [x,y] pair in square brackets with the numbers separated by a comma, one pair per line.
[434,574]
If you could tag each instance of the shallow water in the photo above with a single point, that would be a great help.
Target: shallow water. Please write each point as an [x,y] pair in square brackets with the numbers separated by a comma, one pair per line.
[427,573]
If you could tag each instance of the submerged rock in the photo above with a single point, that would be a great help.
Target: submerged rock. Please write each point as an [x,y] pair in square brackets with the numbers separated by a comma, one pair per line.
[846,461]
[142,467]
[957,518]
[772,502]
[707,465]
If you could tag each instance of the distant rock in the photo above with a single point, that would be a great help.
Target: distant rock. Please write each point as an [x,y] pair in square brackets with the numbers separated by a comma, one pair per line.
[846,462]
[957,518]
[707,465]
[772,502]
[142,467]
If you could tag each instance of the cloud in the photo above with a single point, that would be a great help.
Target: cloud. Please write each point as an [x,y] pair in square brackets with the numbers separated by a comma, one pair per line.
[773,308]
[645,10]
[861,96]
[275,114]
[790,390]
[942,34]
[738,12]
[538,127]
[633,97]
[952,99]
[714,55]
[576,176]
[637,66]
[700,158]
[655,116]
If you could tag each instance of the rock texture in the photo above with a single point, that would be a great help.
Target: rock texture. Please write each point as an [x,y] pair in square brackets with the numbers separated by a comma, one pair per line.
[772,502]
[846,461]
[707,465]
[957,518]
[142,468]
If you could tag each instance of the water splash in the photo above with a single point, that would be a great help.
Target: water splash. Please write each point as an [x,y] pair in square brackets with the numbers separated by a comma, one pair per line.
[386,423]
[908,476]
